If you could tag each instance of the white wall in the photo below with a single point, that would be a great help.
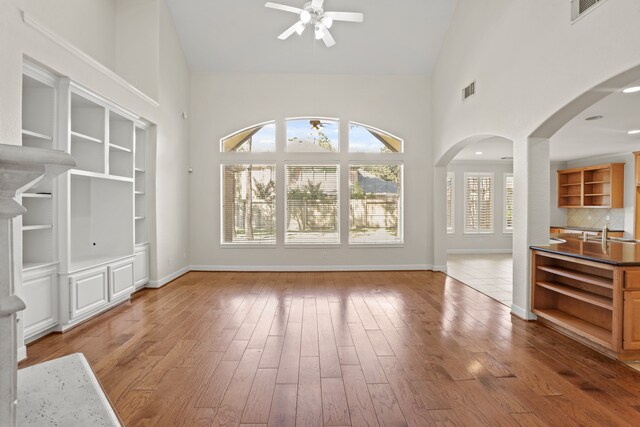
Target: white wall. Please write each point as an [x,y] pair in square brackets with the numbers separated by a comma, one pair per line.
[222,104]
[171,207]
[88,24]
[498,241]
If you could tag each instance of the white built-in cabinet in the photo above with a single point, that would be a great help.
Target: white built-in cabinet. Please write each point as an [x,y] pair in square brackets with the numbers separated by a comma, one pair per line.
[83,234]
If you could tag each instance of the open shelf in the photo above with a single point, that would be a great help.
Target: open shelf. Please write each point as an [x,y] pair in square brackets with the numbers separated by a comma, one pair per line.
[579,294]
[37,195]
[592,186]
[100,175]
[27,134]
[79,137]
[576,325]
[119,148]
[27,266]
[578,275]
[37,227]
[139,193]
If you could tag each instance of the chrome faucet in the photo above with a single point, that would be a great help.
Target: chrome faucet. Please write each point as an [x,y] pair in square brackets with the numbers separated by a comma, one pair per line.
[605,233]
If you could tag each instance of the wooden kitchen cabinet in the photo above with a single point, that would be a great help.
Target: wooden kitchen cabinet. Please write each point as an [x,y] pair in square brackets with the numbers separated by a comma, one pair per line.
[599,186]
[631,339]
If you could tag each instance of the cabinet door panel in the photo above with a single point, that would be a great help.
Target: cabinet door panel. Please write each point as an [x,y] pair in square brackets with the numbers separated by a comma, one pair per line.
[141,267]
[88,292]
[121,280]
[40,295]
[631,326]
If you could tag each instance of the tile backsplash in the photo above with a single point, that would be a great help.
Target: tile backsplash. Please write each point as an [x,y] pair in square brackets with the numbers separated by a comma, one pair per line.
[596,218]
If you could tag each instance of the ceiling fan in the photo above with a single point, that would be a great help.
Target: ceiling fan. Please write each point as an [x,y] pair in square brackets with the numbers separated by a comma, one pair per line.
[313,14]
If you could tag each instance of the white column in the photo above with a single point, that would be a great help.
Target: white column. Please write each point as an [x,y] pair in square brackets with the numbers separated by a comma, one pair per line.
[440,219]
[531,167]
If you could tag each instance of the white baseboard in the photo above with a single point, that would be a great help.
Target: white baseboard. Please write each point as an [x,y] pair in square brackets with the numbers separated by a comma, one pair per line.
[311,267]
[155,284]
[442,268]
[522,313]
[478,251]
[22,353]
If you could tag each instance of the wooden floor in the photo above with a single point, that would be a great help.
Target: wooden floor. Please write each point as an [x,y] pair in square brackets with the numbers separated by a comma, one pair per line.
[339,349]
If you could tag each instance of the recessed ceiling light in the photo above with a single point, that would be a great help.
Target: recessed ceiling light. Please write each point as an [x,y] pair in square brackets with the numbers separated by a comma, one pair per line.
[634,132]
[633,89]
[592,118]
[479,153]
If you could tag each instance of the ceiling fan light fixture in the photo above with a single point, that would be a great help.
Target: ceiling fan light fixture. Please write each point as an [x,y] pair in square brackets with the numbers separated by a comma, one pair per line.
[300,28]
[305,17]
[327,21]
[319,33]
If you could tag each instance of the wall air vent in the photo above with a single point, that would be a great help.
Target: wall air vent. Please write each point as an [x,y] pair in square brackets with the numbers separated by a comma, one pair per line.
[468,91]
[581,7]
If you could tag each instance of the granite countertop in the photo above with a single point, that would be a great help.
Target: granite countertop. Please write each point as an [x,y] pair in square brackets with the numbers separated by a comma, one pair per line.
[63,392]
[614,253]
[567,227]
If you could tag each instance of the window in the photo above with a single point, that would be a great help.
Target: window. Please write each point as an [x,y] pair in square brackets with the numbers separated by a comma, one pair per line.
[260,138]
[478,189]
[365,139]
[451,202]
[508,203]
[313,135]
[375,204]
[249,204]
[312,204]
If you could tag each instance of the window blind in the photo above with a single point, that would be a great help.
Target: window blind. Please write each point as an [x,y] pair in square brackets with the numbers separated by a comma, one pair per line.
[312,204]
[451,197]
[375,204]
[249,204]
[478,203]
[508,202]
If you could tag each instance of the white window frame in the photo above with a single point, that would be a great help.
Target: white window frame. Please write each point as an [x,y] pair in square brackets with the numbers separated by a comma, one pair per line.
[451,204]
[493,202]
[505,229]
[376,130]
[400,242]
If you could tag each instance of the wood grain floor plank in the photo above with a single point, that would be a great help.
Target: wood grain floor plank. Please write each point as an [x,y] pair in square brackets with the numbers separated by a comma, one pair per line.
[361,407]
[335,408]
[309,408]
[259,400]
[283,408]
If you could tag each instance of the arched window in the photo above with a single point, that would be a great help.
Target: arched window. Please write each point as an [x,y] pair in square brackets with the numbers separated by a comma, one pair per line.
[308,159]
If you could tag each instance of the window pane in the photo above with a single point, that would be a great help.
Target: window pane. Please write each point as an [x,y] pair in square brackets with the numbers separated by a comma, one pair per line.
[313,135]
[508,203]
[257,139]
[478,203]
[312,205]
[450,201]
[249,204]
[363,139]
[374,204]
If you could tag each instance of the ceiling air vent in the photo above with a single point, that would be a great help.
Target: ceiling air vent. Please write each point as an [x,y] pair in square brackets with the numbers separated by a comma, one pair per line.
[468,91]
[580,7]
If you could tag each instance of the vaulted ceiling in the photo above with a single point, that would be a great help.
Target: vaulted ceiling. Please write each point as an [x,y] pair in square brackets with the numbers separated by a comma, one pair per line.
[240,36]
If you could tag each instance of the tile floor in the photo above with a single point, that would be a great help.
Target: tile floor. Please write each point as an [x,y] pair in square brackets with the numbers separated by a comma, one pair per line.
[491,274]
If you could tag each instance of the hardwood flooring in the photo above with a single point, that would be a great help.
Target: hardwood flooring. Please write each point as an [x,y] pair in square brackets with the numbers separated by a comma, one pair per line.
[340,349]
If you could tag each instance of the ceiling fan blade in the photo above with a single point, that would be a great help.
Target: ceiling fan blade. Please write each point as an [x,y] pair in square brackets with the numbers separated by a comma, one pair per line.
[317,4]
[327,38]
[287,33]
[345,16]
[283,7]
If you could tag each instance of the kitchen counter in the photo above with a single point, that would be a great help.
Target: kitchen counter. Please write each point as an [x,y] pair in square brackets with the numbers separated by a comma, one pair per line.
[593,230]
[613,253]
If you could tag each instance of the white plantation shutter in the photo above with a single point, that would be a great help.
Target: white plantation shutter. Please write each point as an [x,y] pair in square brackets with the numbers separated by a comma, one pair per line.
[478,203]
[312,204]
[508,202]
[451,200]
[248,204]
[375,205]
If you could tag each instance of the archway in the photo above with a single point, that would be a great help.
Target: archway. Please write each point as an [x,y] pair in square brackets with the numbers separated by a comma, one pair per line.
[474,226]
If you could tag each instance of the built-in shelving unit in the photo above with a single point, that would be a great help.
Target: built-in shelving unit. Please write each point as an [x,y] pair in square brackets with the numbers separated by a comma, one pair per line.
[600,186]
[39,227]
[576,296]
[141,185]
[597,303]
